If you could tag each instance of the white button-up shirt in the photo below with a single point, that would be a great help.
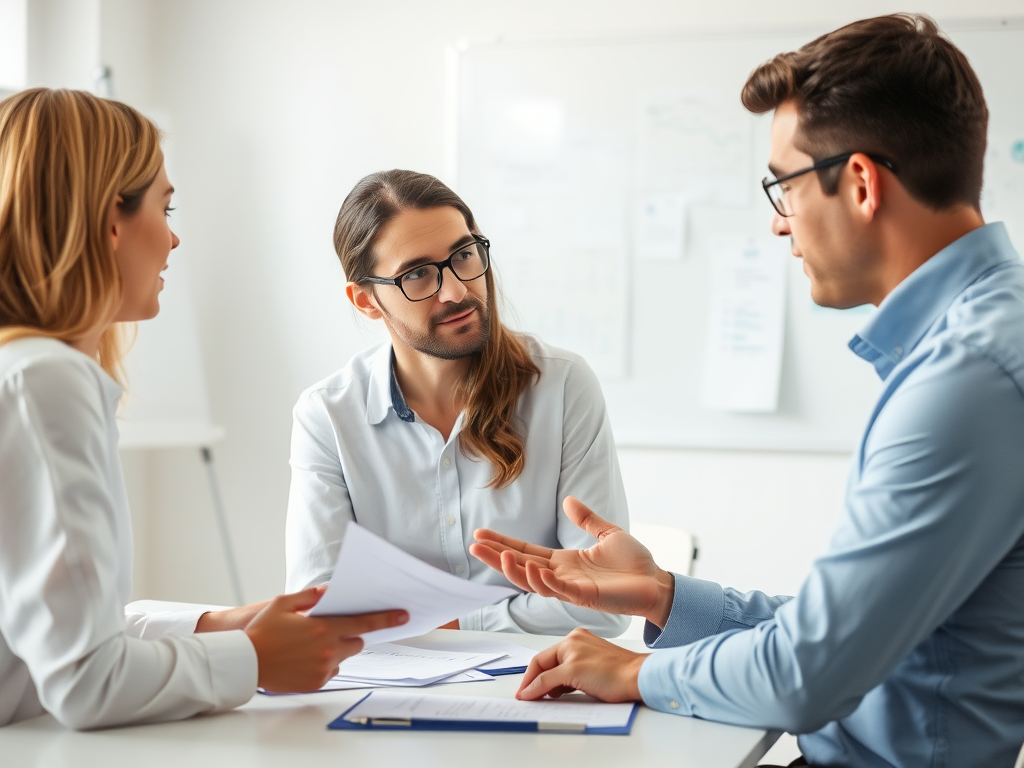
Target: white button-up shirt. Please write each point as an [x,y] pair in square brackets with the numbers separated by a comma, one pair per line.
[66,645]
[359,453]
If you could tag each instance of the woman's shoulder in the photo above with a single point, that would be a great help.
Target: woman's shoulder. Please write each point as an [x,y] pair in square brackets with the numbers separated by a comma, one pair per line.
[37,359]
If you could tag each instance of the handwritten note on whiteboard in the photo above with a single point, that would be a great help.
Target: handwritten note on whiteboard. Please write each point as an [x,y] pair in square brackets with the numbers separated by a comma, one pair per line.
[746,326]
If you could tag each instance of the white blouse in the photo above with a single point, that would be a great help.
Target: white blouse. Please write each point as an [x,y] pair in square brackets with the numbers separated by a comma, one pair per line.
[66,644]
[359,453]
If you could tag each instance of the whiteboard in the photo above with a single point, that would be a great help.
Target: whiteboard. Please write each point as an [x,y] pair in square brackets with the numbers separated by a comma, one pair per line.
[559,145]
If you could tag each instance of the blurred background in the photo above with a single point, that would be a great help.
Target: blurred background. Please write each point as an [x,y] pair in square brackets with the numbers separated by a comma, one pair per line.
[272,111]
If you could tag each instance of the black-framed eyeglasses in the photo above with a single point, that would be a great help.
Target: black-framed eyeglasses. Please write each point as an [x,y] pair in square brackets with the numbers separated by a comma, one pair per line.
[777,195]
[467,262]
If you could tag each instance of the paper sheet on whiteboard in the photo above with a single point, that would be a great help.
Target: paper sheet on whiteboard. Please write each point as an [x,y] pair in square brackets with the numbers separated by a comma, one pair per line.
[746,324]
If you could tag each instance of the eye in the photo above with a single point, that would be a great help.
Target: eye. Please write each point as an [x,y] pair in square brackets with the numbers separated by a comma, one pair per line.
[167,211]
[465,255]
[416,274]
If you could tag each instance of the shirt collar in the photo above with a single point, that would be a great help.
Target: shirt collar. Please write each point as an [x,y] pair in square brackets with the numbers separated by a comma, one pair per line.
[383,391]
[906,314]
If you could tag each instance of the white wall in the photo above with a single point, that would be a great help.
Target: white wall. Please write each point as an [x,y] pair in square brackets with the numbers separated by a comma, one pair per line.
[277,109]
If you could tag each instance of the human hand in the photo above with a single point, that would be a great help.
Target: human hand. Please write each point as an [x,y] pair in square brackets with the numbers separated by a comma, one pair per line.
[616,575]
[583,662]
[232,618]
[453,624]
[299,653]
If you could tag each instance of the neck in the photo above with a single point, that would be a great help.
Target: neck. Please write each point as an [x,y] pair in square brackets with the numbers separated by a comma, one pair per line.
[919,234]
[429,385]
[90,345]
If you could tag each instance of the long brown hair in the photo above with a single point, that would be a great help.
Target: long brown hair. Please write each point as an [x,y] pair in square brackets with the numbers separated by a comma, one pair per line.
[893,86]
[65,156]
[502,370]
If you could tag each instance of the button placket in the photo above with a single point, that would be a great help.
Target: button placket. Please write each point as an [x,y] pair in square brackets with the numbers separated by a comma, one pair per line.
[451,515]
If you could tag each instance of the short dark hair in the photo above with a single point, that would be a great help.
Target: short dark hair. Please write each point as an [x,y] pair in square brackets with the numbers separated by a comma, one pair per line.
[892,86]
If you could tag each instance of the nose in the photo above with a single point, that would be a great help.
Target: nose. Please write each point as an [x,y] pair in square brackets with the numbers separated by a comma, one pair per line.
[175,241]
[780,226]
[452,289]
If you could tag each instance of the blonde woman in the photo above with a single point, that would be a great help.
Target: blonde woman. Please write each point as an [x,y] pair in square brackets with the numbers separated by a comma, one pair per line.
[83,240]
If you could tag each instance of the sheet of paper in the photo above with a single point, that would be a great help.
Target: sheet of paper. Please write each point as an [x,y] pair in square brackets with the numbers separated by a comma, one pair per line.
[374,575]
[659,228]
[386,662]
[469,676]
[512,655]
[399,704]
[746,324]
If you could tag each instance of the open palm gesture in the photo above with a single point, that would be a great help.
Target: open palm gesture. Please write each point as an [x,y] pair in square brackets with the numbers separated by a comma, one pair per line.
[616,575]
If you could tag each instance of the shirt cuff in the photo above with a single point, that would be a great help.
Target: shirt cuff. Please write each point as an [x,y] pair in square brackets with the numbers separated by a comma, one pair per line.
[151,626]
[234,669]
[655,684]
[698,608]
[474,620]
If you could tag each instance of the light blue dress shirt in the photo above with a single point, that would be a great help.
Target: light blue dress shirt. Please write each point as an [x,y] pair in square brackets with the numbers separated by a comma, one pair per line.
[905,644]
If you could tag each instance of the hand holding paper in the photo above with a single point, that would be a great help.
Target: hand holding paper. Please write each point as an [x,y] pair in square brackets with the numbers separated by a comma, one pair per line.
[373,575]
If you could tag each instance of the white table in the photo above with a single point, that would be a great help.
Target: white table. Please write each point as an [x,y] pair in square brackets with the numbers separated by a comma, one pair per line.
[286,731]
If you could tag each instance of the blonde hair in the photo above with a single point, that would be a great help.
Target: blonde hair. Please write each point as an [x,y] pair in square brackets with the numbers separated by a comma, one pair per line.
[65,157]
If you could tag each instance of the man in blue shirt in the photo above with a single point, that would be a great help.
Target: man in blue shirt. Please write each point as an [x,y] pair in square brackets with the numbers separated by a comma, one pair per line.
[905,644]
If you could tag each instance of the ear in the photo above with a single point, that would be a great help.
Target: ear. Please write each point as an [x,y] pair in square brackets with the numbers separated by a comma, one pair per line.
[363,300]
[115,222]
[865,190]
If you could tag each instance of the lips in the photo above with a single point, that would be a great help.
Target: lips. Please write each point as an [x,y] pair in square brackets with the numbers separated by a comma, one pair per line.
[458,317]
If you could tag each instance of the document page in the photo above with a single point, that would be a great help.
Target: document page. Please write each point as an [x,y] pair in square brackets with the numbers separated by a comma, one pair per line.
[420,706]
[390,662]
[512,655]
[374,575]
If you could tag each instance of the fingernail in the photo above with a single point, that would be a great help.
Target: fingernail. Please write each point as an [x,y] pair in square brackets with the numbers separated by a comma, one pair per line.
[402,618]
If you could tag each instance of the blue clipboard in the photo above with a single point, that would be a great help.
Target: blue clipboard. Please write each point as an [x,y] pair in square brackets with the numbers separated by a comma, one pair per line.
[493,726]
[504,671]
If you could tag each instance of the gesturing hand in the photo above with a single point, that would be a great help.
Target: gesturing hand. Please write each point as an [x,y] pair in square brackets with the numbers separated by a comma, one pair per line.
[299,653]
[616,575]
[583,662]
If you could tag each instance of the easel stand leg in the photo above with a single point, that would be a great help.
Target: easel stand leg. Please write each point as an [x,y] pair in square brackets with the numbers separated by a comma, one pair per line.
[222,524]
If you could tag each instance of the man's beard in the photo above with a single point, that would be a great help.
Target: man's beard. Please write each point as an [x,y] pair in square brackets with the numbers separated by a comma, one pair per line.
[468,341]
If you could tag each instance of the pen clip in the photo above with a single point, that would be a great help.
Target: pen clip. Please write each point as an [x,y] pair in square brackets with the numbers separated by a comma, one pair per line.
[564,727]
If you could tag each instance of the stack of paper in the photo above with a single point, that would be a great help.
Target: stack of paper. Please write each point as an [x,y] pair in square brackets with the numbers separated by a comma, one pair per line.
[398,665]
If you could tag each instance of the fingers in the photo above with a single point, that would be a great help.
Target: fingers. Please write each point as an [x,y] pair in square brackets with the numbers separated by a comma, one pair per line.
[583,517]
[543,661]
[297,601]
[487,536]
[352,626]
[514,572]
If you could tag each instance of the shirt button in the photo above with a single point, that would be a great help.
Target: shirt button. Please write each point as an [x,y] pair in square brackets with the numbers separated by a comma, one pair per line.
[898,352]
[446,462]
[450,520]
[459,569]
[674,704]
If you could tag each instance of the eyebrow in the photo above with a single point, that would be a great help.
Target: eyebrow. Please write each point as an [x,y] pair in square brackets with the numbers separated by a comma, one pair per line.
[775,171]
[418,260]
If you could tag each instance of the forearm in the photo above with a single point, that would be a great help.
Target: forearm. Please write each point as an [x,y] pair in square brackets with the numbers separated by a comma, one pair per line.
[126,681]
[700,609]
